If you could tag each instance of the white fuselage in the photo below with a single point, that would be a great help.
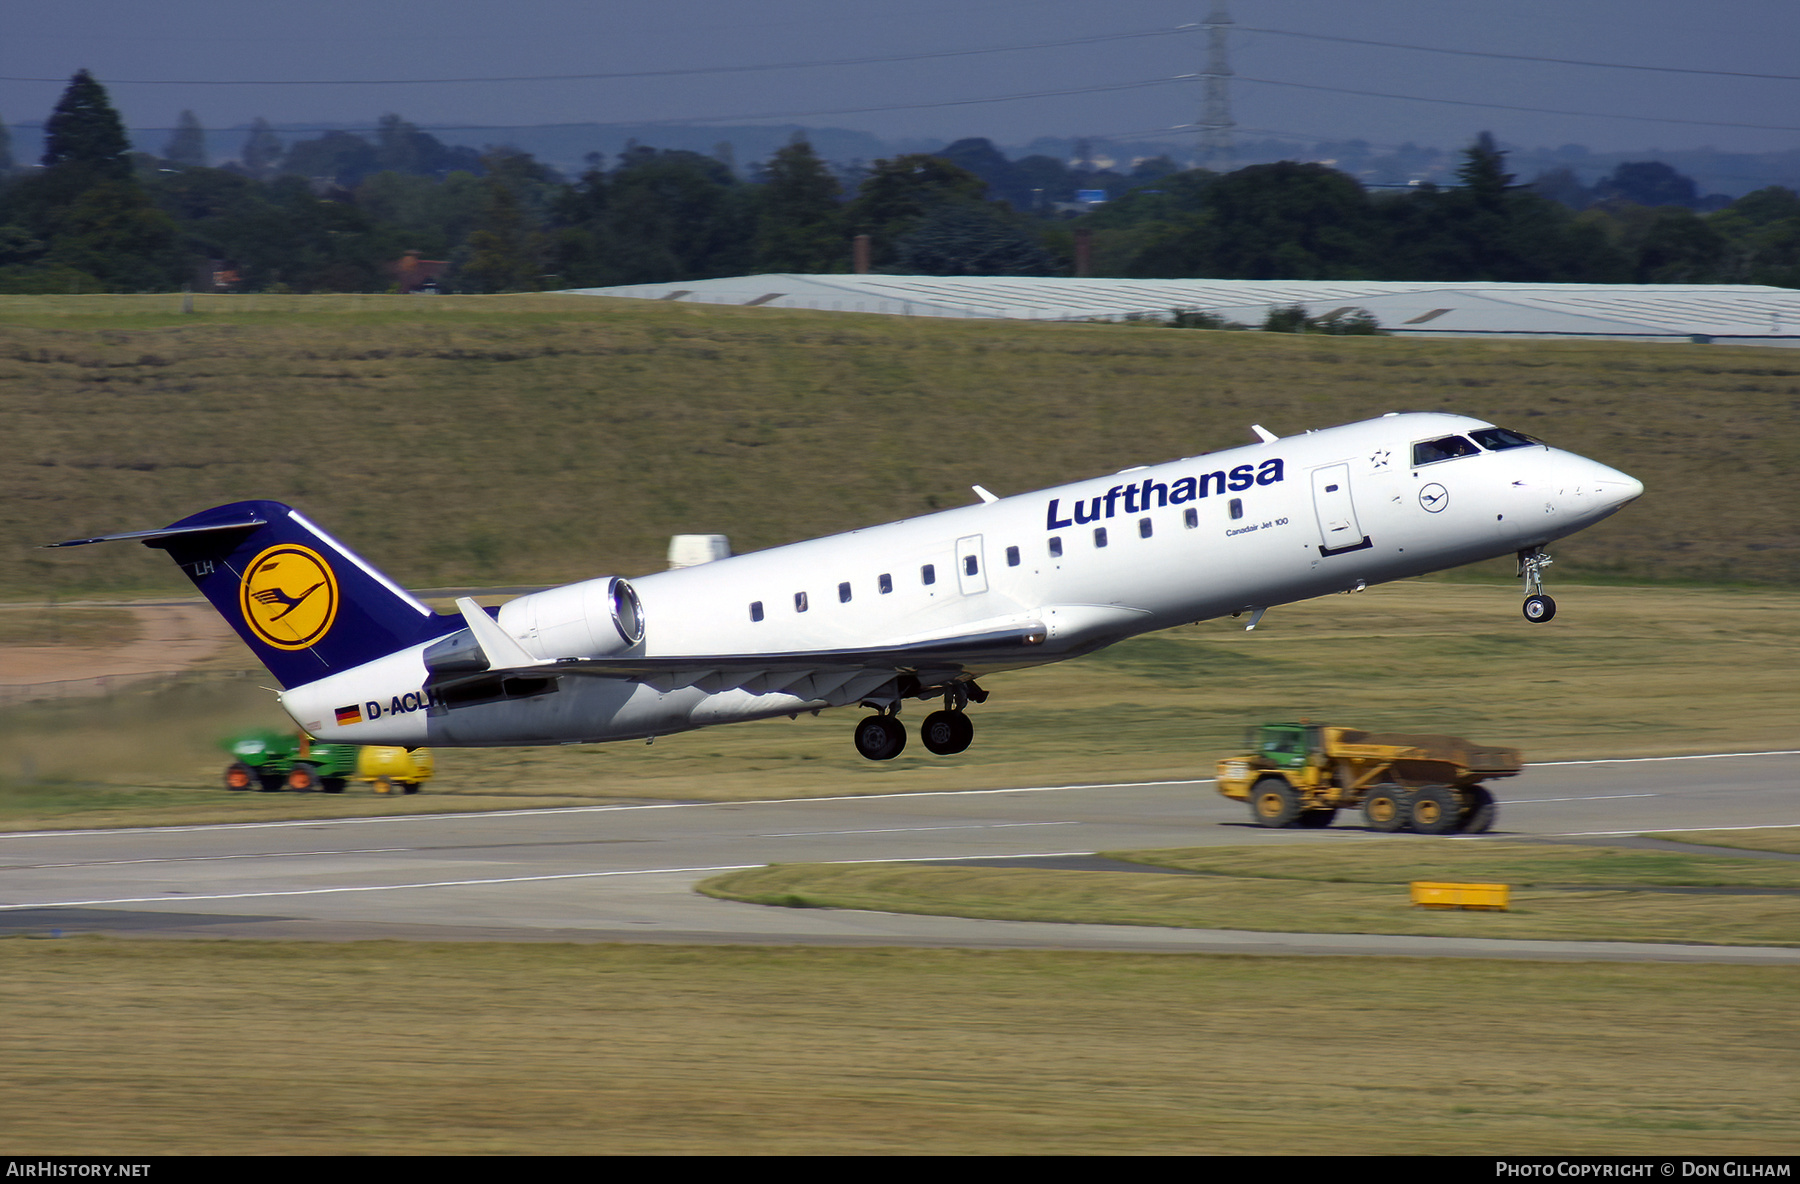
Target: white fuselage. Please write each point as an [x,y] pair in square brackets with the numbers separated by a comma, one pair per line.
[1248,528]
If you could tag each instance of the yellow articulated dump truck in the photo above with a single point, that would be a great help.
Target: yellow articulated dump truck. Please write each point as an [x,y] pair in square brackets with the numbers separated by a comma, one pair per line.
[1303,774]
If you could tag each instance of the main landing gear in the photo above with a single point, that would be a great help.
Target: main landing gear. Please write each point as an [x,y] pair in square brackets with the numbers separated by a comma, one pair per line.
[1538,607]
[882,737]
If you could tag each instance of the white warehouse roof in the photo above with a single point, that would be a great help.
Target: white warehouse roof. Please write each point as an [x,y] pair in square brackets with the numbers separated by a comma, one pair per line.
[1741,314]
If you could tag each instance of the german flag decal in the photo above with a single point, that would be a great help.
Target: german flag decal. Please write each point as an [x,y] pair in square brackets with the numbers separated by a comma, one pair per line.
[349,715]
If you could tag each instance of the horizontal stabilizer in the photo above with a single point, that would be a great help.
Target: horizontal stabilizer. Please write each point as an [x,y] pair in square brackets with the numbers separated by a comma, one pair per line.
[247,522]
[501,651]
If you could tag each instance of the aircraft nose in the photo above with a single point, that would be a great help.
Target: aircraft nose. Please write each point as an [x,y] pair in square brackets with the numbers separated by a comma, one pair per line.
[1616,488]
[1628,490]
[1599,491]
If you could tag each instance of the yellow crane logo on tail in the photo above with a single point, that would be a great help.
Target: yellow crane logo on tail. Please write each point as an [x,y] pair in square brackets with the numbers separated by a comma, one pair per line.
[289,596]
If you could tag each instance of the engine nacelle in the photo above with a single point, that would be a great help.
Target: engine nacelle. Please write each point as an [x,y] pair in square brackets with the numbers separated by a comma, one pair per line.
[587,620]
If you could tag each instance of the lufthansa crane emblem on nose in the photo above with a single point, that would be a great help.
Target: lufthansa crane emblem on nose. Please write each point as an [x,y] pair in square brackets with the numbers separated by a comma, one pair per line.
[289,596]
[1434,498]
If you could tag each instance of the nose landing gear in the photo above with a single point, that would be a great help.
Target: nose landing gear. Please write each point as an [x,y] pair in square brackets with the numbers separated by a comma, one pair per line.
[1538,607]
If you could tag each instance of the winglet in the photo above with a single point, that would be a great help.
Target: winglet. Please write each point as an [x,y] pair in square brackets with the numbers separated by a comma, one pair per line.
[1266,435]
[983,494]
[502,652]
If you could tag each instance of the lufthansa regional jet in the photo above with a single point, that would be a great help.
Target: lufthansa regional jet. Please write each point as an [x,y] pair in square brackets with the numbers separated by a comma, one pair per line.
[917,609]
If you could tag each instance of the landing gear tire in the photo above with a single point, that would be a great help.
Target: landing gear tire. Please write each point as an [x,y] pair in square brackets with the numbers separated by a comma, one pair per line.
[1273,802]
[1539,609]
[1384,809]
[946,732]
[1315,819]
[880,737]
[1436,810]
[1479,814]
[239,776]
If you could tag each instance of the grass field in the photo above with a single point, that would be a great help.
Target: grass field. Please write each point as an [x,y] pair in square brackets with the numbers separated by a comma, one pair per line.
[1621,672]
[130,1048]
[1558,893]
[537,439]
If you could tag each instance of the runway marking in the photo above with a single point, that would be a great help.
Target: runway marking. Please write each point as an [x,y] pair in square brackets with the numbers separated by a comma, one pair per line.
[37,867]
[479,815]
[907,830]
[1644,760]
[1610,797]
[1650,834]
[185,898]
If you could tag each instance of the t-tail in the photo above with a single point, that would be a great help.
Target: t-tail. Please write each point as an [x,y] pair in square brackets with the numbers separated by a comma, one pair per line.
[302,601]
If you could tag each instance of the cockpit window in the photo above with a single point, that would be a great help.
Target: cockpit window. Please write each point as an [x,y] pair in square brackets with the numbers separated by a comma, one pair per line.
[1427,452]
[1500,439]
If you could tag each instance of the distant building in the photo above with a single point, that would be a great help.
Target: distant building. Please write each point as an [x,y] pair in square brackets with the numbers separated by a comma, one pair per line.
[413,275]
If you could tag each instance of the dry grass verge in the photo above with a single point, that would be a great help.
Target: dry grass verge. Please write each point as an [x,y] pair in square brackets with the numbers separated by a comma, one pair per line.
[132,1048]
[1561,893]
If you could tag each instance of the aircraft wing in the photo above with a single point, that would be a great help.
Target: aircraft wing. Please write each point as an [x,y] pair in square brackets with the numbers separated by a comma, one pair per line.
[811,674]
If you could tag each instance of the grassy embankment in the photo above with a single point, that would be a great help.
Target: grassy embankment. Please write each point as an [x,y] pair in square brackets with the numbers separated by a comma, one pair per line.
[536,439]
[130,1048]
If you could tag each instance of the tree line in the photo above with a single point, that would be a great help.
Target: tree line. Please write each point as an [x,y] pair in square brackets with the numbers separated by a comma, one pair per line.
[338,212]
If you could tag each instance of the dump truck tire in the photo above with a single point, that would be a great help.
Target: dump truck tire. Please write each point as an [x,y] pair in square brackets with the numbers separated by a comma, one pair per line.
[1478,816]
[1436,810]
[1273,802]
[1385,810]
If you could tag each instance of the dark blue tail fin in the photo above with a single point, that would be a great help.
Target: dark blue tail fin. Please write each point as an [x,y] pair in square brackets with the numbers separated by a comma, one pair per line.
[303,602]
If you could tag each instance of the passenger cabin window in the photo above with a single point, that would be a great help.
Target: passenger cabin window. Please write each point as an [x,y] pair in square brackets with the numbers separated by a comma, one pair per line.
[799,602]
[1099,536]
[928,574]
[1144,528]
[1237,508]
[1056,547]
[1500,439]
[756,610]
[844,593]
[970,566]
[1429,452]
[885,583]
[1012,557]
[1192,518]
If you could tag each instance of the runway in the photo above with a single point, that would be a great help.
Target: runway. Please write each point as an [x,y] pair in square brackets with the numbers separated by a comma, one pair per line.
[625,872]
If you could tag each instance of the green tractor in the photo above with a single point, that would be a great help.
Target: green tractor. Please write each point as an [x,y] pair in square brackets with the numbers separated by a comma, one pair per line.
[268,760]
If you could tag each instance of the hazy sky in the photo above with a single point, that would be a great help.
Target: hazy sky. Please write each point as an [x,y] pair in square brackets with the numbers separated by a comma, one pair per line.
[346,41]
